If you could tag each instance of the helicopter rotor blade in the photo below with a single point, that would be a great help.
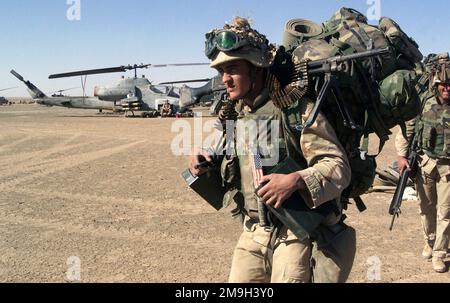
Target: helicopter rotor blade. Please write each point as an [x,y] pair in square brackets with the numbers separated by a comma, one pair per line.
[186,81]
[63,90]
[117,69]
[89,72]
[2,90]
[178,64]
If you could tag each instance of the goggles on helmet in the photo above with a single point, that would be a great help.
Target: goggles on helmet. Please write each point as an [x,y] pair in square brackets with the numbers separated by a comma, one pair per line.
[223,40]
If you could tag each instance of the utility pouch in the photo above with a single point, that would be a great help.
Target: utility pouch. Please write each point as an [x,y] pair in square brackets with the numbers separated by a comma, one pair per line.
[208,186]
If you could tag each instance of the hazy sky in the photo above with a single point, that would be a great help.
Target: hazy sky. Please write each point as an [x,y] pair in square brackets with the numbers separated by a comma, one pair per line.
[38,39]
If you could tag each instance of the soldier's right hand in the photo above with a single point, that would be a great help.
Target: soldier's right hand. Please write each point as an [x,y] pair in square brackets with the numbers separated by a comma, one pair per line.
[402,163]
[199,156]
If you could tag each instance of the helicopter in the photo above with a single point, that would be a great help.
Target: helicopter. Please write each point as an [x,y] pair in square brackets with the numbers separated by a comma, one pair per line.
[3,100]
[134,94]
[212,94]
[59,93]
[65,101]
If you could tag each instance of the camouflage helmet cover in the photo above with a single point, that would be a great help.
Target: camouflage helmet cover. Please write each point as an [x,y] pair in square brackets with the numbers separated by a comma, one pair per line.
[257,51]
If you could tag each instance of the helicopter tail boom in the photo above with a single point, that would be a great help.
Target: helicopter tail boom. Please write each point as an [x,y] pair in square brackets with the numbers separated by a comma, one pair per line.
[35,92]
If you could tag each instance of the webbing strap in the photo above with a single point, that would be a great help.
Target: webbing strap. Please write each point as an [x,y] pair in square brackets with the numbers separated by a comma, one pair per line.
[364,148]
[326,34]
[342,47]
[360,204]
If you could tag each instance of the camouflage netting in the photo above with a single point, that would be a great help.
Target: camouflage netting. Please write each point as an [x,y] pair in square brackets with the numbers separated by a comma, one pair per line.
[258,51]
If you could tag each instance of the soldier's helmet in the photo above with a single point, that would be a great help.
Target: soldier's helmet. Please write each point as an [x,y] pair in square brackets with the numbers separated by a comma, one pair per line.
[441,72]
[238,41]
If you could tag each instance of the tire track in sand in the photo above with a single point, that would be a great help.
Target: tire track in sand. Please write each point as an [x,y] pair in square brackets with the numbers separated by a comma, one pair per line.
[15,143]
[35,161]
[37,158]
[70,162]
[153,235]
[149,205]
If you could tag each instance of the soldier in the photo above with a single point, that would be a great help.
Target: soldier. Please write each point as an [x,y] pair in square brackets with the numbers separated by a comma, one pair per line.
[166,109]
[270,253]
[433,175]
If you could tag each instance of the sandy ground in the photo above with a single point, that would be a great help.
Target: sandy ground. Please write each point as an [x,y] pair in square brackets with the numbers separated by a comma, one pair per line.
[107,190]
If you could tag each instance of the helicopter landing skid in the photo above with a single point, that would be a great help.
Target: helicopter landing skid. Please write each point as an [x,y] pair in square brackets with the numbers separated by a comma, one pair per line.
[141,114]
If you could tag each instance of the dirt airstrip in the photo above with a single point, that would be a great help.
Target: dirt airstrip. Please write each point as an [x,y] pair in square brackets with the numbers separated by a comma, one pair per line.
[103,193]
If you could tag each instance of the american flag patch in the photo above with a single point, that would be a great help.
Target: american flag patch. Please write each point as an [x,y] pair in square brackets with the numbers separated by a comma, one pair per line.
[257,170]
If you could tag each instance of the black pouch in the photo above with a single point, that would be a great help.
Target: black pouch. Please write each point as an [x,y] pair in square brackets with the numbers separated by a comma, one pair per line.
[208,186]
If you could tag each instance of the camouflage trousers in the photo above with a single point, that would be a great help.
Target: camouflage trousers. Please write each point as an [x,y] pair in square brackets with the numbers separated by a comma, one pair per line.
[433,188]
[252,257]
[287,259]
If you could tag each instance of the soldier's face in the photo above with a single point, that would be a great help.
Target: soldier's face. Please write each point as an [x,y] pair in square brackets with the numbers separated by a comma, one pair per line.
[444,92]
[236,78]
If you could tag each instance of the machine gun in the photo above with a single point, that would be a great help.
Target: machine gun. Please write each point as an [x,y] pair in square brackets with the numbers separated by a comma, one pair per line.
[394,208]
[329,67]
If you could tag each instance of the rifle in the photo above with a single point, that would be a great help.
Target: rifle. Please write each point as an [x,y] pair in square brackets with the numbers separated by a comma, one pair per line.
[396,203]
[227,113]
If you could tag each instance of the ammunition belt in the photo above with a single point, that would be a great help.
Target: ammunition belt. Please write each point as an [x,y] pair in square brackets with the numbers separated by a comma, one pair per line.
[284,97]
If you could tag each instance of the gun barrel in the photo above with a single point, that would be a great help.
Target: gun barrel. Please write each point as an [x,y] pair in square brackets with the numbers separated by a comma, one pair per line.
[392,222]
[339,59]
[398,195]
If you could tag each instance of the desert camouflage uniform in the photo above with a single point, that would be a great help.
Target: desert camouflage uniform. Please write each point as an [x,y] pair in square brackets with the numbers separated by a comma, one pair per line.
[328,173]
[275,254]
[433,176]
[166,110]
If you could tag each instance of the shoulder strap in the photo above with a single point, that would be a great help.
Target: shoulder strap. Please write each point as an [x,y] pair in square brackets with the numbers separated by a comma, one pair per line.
[291,129]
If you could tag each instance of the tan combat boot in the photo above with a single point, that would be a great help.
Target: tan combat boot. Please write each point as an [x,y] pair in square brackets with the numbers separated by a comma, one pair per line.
[427,251]
[438,264]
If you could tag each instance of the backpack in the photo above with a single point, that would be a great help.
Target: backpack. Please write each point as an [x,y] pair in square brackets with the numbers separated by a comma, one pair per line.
[377,93]
[348,31]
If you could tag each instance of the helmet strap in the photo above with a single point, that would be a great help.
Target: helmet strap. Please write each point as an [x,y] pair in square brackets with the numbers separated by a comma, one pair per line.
[254,72]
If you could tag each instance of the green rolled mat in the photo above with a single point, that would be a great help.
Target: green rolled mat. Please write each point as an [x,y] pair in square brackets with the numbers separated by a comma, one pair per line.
[297,31]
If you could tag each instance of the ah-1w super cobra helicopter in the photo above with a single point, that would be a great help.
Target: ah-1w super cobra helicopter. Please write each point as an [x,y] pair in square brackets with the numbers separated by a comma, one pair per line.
[133,94]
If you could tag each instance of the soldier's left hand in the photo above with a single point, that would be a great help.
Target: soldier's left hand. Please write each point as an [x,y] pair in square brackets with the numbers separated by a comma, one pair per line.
[280,187]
